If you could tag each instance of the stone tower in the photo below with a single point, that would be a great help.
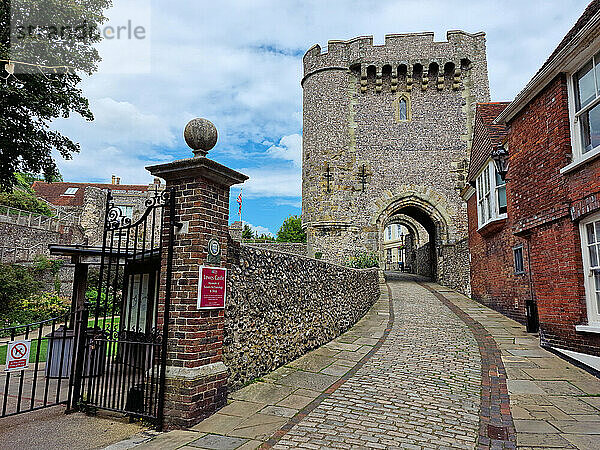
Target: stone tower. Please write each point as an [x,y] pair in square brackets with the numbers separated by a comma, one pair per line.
[386,139]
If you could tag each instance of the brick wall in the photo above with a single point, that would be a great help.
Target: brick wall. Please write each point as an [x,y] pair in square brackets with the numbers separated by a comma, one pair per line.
[540,196]
[493,279]
[195,337]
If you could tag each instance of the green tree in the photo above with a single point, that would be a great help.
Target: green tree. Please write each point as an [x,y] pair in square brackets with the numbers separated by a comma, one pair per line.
[291,230]
[25,180]
[30,101]
[25,201]
[247,232]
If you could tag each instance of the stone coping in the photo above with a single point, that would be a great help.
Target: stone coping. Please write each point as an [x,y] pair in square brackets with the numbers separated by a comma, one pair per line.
[197,166]
[187,373]
[329,263]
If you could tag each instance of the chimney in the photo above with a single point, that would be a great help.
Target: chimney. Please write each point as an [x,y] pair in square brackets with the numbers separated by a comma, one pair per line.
[113,179]
[118,180]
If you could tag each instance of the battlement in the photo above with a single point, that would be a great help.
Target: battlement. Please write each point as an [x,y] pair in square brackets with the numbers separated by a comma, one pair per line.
[399,49]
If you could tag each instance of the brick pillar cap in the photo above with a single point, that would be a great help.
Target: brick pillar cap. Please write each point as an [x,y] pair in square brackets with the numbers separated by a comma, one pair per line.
[197,167]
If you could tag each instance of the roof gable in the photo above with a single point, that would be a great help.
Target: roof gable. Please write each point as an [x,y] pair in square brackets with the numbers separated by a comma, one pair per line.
[487,135]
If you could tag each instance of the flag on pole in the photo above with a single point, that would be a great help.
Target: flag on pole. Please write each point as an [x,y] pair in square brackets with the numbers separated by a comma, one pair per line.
[239,200]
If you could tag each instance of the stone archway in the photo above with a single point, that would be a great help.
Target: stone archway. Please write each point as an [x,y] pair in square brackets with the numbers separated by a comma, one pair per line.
[414,228]
[426,207]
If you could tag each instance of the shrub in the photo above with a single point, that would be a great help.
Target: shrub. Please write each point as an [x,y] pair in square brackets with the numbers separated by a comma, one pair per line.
[35,308]
[26,201]
[363,260]
[21,302]
[91,293]
[46,305]
[104,307]
[16,283]
[41,263]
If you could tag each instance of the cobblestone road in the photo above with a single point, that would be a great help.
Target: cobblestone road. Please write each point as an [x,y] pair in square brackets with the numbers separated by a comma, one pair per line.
[421,389]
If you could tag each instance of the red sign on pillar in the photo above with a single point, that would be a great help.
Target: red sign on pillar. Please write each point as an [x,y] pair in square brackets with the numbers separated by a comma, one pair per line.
[212,287]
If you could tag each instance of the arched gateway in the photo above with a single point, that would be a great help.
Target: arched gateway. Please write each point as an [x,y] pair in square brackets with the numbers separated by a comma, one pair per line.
[386,140]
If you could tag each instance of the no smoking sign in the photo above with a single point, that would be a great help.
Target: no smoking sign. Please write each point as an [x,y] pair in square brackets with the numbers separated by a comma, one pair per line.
[17,355]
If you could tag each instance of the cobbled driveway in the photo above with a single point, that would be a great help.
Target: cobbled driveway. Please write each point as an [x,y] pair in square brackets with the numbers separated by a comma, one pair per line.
[420,389]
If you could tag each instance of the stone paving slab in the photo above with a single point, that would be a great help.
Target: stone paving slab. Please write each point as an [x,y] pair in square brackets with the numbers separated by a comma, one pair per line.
[173,439]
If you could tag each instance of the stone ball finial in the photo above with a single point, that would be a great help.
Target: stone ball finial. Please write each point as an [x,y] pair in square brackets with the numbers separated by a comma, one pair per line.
[200,135]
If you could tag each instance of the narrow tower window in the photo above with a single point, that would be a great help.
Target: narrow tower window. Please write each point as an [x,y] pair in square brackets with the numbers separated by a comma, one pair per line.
[402,109]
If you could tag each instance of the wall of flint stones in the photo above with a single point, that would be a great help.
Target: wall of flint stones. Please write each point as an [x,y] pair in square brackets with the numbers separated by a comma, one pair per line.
[280,306]
[455,274]
[419,260]
[295,248]
[21,243]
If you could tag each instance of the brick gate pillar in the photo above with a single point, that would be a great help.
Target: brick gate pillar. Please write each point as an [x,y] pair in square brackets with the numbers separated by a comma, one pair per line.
[196,377]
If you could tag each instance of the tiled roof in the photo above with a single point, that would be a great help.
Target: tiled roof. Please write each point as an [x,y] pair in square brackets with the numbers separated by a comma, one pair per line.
[54,193]
[486,135]
[488,113]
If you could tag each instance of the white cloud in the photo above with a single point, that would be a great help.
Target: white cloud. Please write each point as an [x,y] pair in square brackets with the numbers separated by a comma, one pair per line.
[272,182]
[99,166]
[289,148]
[259,230]
[294,203]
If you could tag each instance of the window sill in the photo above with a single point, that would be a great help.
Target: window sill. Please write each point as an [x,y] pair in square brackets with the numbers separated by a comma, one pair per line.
[589,156]
[492,226]
[588,328]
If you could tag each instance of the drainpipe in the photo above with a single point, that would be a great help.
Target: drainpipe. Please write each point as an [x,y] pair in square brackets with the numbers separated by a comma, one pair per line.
[533,323]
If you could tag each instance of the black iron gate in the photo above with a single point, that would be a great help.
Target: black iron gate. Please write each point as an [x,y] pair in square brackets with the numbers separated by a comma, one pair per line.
[121,362]
[109,353]
[44,376]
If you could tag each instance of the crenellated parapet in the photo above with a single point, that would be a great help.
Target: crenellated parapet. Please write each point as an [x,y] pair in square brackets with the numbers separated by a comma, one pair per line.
[404,62]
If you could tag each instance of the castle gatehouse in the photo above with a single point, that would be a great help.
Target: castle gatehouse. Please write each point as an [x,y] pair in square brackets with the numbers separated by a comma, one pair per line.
[386,139]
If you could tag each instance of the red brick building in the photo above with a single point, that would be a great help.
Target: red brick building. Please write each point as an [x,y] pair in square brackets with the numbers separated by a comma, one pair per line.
[535,240]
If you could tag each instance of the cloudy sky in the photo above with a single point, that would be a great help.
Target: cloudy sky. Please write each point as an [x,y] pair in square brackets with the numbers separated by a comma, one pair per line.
[238,64]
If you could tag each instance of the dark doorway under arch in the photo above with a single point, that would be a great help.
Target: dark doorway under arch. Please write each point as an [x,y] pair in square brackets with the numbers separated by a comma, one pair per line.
[422,256]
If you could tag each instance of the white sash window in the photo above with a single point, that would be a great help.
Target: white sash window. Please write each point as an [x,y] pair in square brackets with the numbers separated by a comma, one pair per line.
[590,240]
[491,195]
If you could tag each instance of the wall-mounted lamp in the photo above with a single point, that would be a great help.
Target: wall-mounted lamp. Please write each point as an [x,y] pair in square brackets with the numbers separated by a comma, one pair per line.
[500,157]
